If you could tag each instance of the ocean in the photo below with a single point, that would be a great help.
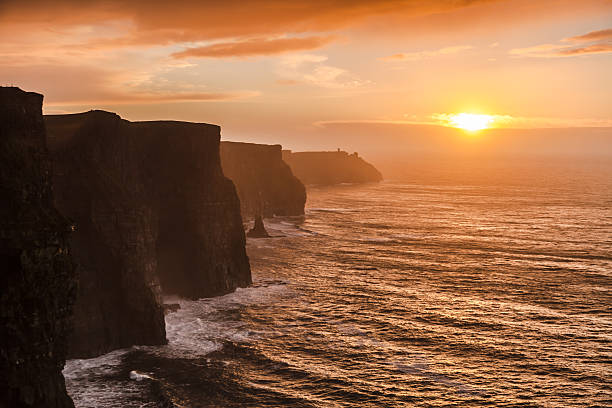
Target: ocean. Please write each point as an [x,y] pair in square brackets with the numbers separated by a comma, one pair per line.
[468,290]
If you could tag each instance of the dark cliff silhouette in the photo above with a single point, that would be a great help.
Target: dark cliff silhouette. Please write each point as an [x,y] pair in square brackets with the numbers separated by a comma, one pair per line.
[265,183]
[330,167]
[37,278]
[151,206]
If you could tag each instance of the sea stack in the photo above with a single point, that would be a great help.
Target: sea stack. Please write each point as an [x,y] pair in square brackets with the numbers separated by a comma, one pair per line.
[266,186]
[38,282]
[258,230]
[333,167]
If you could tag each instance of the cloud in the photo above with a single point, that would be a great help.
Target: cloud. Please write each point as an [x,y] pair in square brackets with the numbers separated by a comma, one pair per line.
[556,51]
[295,61]
[110,24]
[137,37]
[287,82]
[95,86]
[497,121]
[601,43]
[140,97]
[311,69]
[592,36]
[590,49]
[419,55]
[163,22]
[450,119]
[145,98]
[254,47]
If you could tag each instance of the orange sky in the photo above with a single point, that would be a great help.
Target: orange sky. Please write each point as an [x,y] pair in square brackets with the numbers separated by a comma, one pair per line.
[298,71]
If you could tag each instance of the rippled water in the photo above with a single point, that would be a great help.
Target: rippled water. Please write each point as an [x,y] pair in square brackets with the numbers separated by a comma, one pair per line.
[422,294]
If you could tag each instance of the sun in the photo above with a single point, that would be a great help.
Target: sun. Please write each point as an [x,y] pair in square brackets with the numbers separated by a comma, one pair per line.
[470,121]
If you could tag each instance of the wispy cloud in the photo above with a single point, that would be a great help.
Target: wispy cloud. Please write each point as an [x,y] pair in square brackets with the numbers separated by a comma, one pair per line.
[164,22]
[287,82]
[255,47]
[556,51]
[112,87]
[126,98]
[313,69]
[594,42]
[497,121]
[419,55]
[492,121]
[598,35]
[589,49]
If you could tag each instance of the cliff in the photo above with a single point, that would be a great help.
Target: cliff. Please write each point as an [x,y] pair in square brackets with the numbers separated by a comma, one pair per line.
[151,206]
[266,186]
[330,167]
[99,184]
[37,280]
[258,230]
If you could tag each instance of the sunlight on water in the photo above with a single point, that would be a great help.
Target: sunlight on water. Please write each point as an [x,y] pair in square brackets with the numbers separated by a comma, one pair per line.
[408,295]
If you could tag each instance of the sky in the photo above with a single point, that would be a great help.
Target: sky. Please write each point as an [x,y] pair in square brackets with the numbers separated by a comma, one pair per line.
[322,73]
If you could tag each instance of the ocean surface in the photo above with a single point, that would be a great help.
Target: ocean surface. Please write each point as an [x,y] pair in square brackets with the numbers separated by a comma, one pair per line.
[467,291]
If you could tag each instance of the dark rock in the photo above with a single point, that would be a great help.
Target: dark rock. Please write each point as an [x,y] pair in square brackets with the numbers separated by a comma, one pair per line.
[37,279]
[266,186]
[150,205]
[99,183]
[258,230]
[330,167]
[201,245]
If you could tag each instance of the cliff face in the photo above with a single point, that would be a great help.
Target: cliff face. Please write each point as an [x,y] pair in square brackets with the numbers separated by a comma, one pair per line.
[201,246]
[330,167]
[37,280]
[265,183]
[150,205]
[99,184]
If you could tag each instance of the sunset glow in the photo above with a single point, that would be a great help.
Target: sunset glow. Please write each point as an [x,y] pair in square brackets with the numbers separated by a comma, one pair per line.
[279,203]
[357,65]
[471,121]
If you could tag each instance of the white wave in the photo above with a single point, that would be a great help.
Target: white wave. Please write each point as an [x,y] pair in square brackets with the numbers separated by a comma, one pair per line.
[136,376]
[104,364]
[200,327]
[96,382]
[195,330]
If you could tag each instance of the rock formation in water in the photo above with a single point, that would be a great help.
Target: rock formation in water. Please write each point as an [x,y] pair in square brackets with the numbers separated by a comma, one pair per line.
[330,167]
[151,206]
[37,278]
[258,230]
[265,183]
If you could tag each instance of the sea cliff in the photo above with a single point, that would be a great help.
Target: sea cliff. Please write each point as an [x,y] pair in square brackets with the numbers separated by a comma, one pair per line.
[330,167]
[266,186]
[37,279]
[153,213]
